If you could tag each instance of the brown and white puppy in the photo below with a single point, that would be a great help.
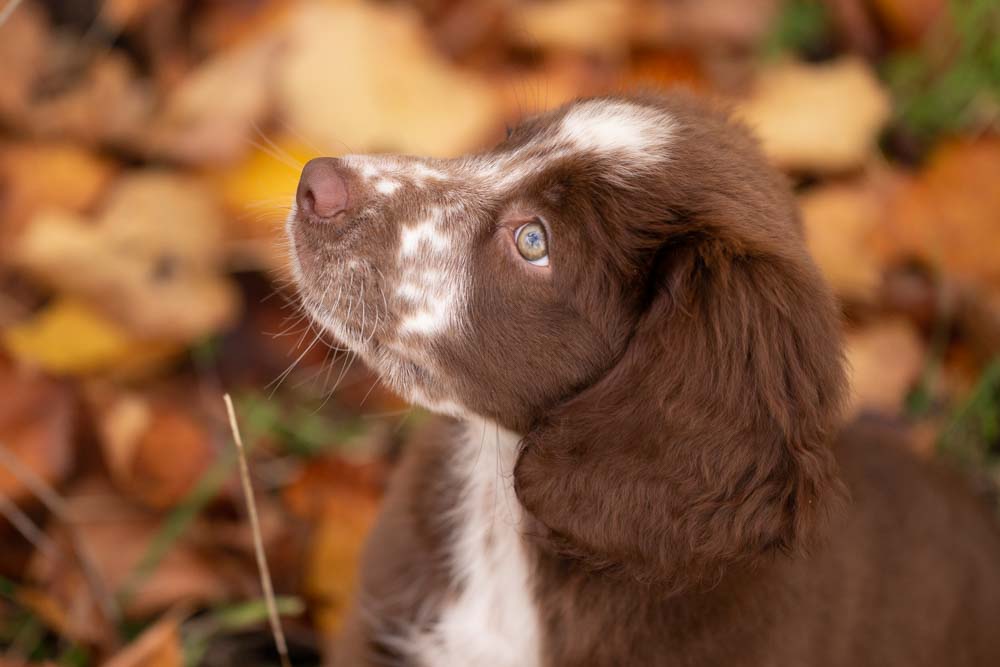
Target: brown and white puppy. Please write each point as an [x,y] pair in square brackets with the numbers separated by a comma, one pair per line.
[641,364]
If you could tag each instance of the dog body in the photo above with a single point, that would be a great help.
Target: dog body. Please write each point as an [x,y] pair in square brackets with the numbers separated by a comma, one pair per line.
[640,373]
[908,577]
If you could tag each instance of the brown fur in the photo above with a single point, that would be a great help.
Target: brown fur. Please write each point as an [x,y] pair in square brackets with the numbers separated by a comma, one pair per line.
[686,503]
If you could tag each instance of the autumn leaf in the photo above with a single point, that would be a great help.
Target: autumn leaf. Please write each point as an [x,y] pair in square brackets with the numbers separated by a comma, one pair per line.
[117,537]
[158,646]
[343,500]
[823,117]
[593,26]
[393,100]
[152,261]
[948,216]
[36,176]
[841,220]
[884,361]
[155,449]
[36,427]
[69,338]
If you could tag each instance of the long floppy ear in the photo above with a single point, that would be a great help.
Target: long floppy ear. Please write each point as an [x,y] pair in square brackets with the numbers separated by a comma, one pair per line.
[707,444]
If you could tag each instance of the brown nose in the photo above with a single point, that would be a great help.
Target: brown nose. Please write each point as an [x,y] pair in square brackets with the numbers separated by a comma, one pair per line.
[322,191]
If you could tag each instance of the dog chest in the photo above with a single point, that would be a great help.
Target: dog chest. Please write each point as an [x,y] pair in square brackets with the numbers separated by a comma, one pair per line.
[491,619]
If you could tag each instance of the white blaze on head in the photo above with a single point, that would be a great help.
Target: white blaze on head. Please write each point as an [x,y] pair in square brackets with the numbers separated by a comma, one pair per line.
[421,170]
[609,127]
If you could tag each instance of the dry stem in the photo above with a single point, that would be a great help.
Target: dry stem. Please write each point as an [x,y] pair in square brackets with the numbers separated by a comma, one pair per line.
[258,543]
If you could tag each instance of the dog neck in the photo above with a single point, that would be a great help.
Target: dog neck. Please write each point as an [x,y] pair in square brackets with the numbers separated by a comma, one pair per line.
[493,618]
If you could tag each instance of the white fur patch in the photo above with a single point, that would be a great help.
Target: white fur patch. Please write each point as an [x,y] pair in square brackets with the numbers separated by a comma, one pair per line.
[615,126]
[494,620]
[421,170]
[425,232]
[430,266]
[387,185]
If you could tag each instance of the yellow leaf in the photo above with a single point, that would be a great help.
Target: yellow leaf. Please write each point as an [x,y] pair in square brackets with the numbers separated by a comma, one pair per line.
[822,118]
[262,179]
[69,338]
[259,193]
[366,76]
[332,564]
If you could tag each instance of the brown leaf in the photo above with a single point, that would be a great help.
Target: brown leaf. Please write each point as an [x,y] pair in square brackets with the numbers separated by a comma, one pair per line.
[40,175]
[822,118]
[405,99]
[24,46]
[152,261]
[156,449]
[706,25]
[106,103]
[884,359]
[117,537]
[591,26]
[212,115]
[343,499]
[840,220]
[36,426]
[908,21]
[158,646]
[948,217]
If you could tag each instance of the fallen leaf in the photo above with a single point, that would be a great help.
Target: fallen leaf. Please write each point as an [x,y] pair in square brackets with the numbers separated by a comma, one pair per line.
[590,26]
[155,449]
[341,85]
[706,25]
[68,338]
[258,192]
[42,175]
[343,500]
[907,21]
[24,46]
[884,360]
[662,69]
[117,537]
[6,661]
[36,427]
[524,92]
[105,103]
[212,115]
[123,14]
[158,646]
[948,216]
[817,117]
[152,261]
[840,220]
[325,482]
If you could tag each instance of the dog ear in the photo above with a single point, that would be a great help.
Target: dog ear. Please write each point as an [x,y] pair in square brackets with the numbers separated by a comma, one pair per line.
[707,443]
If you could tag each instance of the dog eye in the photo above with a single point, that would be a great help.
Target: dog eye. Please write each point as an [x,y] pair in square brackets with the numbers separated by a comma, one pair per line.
[532,243]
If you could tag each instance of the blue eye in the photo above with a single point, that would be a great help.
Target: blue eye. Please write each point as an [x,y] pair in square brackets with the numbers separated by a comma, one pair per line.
[532,243]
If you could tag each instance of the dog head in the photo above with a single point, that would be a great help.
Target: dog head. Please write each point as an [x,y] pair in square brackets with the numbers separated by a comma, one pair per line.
[624,281]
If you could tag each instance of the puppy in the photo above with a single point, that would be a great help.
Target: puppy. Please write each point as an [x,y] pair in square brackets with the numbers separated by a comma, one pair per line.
[642,461]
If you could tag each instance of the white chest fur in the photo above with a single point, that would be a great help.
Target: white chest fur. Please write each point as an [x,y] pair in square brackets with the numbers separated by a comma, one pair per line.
[493,620]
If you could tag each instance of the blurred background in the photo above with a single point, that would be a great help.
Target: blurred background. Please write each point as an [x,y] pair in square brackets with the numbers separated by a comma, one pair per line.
[149,150]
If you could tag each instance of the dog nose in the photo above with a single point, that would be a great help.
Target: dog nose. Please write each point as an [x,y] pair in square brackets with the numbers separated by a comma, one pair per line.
[322,191]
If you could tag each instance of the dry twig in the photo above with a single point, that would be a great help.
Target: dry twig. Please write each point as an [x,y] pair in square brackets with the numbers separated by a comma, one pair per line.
[258,543]
[7,10]
[54,503]
[26,527]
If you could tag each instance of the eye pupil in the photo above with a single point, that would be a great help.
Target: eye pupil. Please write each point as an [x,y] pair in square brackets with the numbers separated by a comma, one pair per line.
[532,243]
